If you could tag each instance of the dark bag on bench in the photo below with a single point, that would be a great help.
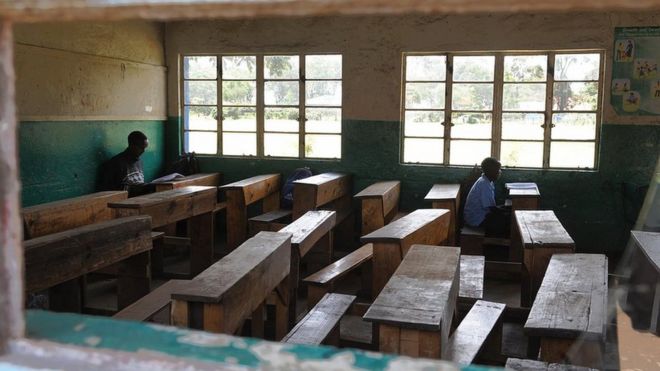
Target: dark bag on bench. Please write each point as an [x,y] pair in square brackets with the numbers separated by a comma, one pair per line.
[287,189]
[187,164]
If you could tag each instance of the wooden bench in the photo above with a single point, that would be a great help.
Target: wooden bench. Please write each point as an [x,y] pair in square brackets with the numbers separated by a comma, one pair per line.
[643,298]
[447,196]
[569,314]
[516,364]
[54,261]
[152,303]
[312,229]
[321,324]
[58,216]
[412,315]
[379,205]
[540,235]
[210,179]
[391,243]
[241,194]
[480,328]
[270,221]
[471,281]
[225,294]
[193,203]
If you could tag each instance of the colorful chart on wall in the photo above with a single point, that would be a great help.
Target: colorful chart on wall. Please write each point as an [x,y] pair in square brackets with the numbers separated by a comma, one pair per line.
[635,78]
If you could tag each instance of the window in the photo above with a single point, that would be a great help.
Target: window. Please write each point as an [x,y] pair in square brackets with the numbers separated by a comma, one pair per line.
[263,105]
[531,110]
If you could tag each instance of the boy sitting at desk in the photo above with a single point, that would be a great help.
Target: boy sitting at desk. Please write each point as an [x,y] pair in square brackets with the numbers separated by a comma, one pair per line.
[480,208]
[124,171]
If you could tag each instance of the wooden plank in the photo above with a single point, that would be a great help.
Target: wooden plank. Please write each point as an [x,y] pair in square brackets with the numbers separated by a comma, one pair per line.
[571,302]
[242,280]
[442,192]
[59,257]
[471,334]
[150,304]
[341,267]
[472,277]
[318,324]
[255,188]
[272,216]
[422,292]
[210,179]
[70,213]
[517,364]
[307,230]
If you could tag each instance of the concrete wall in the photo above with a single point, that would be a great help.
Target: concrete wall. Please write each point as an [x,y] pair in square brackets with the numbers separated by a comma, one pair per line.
[81,88]
[589,203]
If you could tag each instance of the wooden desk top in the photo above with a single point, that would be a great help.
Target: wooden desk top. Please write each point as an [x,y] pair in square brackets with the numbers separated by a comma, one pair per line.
[92,197]
[378,190]
[309,228]
[163,197]
[420,291]
[572,300]
[541,228]
[203,179]
[249,182]
[649,243]
[443,192]
[401,228]
[320,179]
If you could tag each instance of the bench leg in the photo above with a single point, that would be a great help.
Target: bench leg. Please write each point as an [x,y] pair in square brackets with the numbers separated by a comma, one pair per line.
[257,322]
[157,256]
[134,279]
[236,219]
[294,277]
[282,303]
[67,296]
[201,248]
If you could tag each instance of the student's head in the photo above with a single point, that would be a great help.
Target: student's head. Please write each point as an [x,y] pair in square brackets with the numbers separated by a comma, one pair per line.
[137,143]
[491,168]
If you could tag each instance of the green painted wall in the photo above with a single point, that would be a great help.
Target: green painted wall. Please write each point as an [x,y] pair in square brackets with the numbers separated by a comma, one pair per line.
[589,203]
[62,159]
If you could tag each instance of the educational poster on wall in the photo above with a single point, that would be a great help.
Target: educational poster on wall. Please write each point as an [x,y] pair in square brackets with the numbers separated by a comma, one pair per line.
[635,79]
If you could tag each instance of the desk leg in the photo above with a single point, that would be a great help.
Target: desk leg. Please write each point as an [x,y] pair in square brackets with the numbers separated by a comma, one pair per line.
[572,351]
[236,219]
[373,216]
[257,322]
[67,296]
[451,206]
[387,258]
[293,278]
[407,342]
[180,315]
[282,303]
[134,279]
[201,243]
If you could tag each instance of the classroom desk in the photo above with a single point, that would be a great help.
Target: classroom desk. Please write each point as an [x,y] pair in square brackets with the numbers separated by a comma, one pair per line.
[643,299]
[210,179]
[569,314]
[415,309]
[541,235]
[194,203]
[447,196]
[524,198]
[331,190]
[379,204]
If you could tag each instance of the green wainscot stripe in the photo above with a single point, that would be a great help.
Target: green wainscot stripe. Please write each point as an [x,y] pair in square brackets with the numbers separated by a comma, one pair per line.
[128,336]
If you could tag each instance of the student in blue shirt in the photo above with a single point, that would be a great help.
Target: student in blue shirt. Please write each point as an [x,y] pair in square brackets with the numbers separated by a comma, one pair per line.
[480,208]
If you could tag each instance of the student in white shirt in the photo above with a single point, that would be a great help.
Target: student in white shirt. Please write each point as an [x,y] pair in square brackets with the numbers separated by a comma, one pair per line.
[480,207]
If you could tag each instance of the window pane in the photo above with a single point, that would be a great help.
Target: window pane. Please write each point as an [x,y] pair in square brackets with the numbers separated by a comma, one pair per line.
[522,154]
[323,120]
[200,68]
[425,95]
[281,145]
[572,154]
[427,151]
[468,152]
[480,68]
[239,92]
[281,93]
[239,144]
[577,66]
[571,96]
[524,97]
[323,146]
[471,125]
[426,68]
[424,124]
[522,125]
[281,119]
[200,118]
[574,126]
[472,97]
[239,119]
[525,68]
[281,67]
[239,68]
[200,92]
[323,93]
[201,142]
[323,66]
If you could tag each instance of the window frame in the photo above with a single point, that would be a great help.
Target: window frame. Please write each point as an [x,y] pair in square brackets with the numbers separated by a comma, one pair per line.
[260,105]
[498,111]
